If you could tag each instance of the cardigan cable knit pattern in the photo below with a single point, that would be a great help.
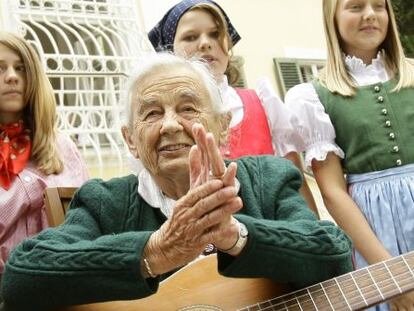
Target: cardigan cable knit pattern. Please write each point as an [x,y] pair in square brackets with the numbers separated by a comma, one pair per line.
[94,256]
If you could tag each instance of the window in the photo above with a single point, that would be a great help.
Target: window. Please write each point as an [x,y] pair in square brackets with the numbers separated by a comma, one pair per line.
[290,72]
[87,49]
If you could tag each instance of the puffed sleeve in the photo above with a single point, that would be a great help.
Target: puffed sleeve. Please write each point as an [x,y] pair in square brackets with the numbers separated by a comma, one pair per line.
[284,137]
[312,123]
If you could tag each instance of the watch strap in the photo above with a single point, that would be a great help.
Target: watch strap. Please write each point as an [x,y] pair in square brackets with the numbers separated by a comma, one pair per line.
[241,241]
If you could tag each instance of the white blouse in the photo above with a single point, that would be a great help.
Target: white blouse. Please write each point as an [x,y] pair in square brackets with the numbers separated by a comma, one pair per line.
[152,194]
[316,133]
[278,114]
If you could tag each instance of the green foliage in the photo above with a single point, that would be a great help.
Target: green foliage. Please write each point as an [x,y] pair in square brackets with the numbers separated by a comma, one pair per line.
[405,19]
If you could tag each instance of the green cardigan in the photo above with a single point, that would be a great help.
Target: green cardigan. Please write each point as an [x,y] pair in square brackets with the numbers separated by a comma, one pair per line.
[95,255]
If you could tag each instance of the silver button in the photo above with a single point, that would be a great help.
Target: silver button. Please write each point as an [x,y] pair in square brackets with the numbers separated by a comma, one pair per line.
[376,88]
[227,153]
[380,99]
[392,136]
[388,123]
[395,149]
[27,178]
[398,162]
[384,111]
[13,156]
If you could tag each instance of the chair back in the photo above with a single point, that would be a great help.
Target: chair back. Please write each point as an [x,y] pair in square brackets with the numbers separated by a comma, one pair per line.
[57,202]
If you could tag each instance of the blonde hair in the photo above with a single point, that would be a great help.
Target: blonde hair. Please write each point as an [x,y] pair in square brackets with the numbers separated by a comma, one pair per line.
[335,75]
[232,71]
[40,113]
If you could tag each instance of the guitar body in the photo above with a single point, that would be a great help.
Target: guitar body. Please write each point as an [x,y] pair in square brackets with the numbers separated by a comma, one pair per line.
[199,287]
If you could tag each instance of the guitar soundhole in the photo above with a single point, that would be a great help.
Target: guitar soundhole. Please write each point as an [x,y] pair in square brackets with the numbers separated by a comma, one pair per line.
[200,308]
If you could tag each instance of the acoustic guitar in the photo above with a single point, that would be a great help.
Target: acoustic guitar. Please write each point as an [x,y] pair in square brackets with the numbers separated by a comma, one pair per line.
[198,287]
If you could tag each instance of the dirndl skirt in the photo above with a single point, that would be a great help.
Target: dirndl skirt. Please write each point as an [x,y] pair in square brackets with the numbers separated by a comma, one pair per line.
[386,198]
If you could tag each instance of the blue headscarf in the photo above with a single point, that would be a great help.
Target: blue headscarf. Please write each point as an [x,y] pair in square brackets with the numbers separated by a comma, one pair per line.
[162,35]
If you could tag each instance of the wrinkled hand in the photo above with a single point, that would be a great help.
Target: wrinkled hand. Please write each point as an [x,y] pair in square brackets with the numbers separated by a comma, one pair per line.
[403,303]
[204,214]
[206,163]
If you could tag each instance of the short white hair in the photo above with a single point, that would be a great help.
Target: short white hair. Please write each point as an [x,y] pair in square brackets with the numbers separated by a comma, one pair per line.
[155,61]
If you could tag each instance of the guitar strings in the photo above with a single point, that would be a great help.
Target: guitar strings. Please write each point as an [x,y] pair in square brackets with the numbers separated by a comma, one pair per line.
[307,298]
[373,291]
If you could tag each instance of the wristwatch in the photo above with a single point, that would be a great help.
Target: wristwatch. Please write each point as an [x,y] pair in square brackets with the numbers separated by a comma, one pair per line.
[241,241]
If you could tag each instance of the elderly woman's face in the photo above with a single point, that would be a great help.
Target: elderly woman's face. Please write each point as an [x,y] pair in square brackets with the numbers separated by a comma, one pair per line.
[165,106]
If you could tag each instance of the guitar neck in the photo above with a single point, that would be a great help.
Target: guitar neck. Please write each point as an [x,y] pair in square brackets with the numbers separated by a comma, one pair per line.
[353,291]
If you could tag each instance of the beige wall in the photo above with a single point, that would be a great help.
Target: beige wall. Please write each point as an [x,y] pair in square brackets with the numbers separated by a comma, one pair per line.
[275,28]
[269,28]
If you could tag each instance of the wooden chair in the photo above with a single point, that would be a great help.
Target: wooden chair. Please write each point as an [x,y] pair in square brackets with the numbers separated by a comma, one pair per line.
[57,202]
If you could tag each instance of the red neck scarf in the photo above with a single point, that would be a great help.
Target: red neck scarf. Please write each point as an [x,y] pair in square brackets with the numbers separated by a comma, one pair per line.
[15,147]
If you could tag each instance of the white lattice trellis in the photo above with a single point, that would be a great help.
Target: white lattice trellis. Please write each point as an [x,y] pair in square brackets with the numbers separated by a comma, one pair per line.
[87,48]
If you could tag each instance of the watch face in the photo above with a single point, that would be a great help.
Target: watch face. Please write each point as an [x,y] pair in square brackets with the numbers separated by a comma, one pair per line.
[243,230]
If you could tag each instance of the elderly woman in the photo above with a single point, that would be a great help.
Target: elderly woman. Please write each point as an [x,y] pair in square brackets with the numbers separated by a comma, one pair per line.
[123,236]
[259,122]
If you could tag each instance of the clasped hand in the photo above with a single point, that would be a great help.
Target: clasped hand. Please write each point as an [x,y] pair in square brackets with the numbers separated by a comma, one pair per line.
[204,214]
